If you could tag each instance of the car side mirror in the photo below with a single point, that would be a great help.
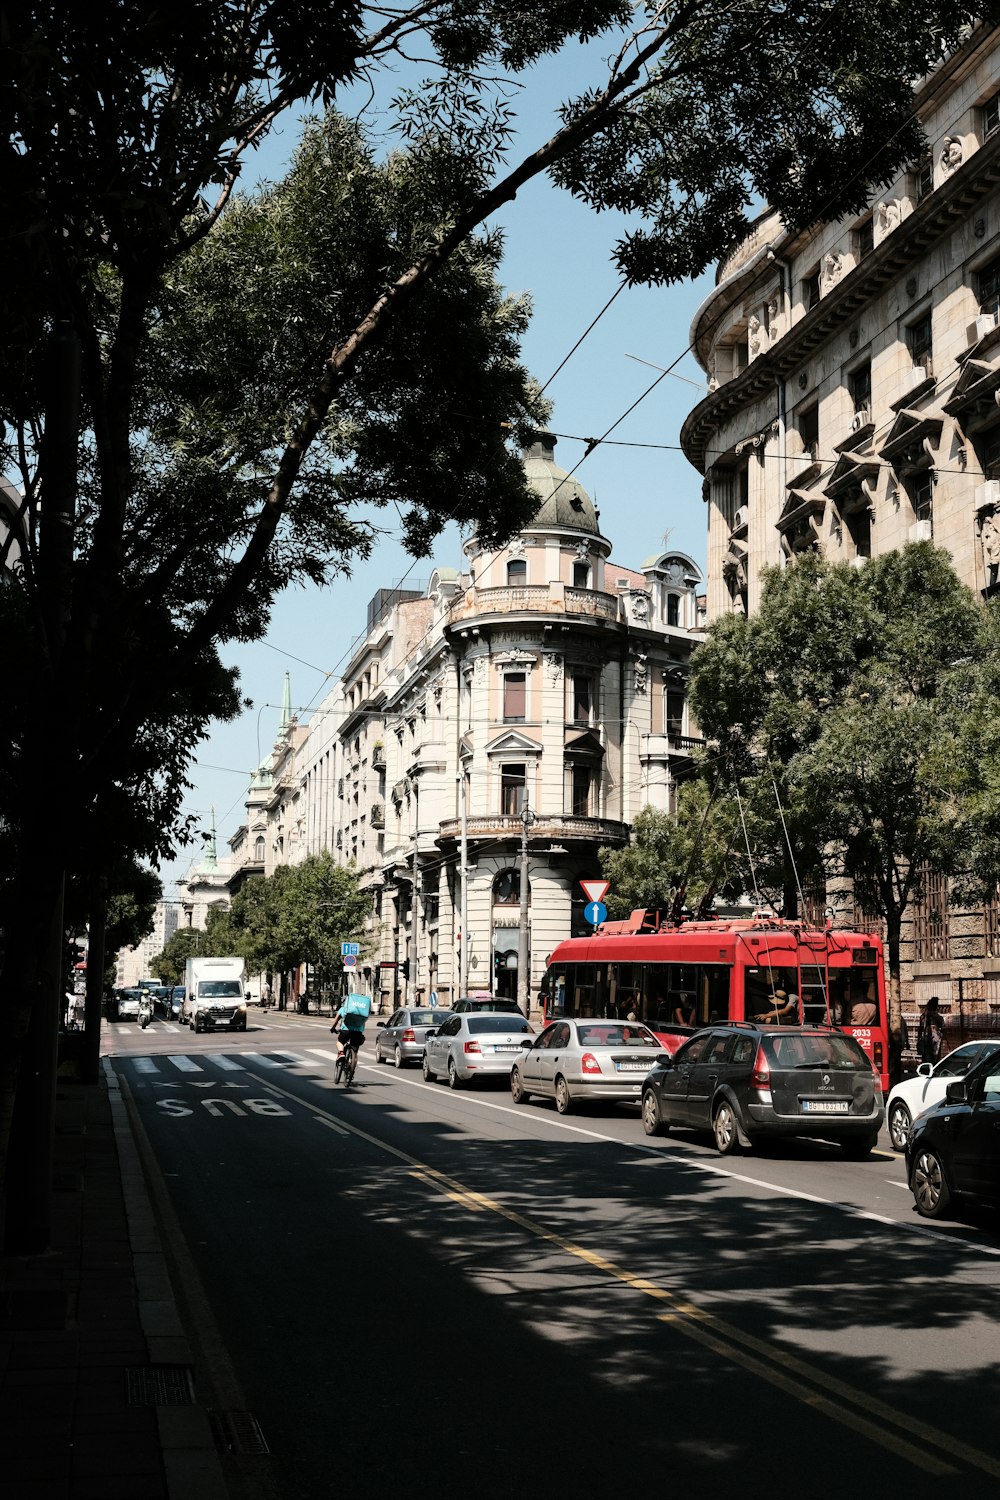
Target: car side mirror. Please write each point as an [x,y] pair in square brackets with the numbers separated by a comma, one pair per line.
[378,1024]
[432,1032]
[925,1070]
[958,1092]
[526,1041]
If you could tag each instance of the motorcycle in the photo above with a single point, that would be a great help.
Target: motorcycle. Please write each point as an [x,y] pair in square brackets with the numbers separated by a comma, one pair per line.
[145,1013]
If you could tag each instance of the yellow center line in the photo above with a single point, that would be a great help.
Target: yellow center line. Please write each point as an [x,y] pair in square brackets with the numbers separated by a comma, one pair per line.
[696,1323]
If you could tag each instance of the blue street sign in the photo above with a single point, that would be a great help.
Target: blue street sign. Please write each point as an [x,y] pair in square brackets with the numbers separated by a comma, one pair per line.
[352,949]
[350,960]
[595,912]
[432,999]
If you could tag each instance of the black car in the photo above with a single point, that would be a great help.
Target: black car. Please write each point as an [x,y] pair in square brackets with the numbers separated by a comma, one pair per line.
[746,1082]
[477,1003]
[953,1149]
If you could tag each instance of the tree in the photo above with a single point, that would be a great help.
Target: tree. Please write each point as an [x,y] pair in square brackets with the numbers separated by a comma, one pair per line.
[169,964]
[126,128]
[299,915]
[862,698]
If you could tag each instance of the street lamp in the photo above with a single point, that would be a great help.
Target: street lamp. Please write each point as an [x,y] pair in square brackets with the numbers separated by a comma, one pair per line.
[523,997]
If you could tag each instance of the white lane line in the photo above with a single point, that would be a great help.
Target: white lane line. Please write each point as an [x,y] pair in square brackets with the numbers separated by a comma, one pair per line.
[144,1065]
[668,1156]
[226,1063]
[185,1064]
[330,1124]
[265,1062]
[295,1057]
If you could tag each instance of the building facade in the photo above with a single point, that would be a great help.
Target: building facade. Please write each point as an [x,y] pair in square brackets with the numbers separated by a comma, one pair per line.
[854,405]
[535,699]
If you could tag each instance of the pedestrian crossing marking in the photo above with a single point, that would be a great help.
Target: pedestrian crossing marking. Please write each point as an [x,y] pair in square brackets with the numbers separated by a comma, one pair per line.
[324,1053]
[265,1062]
[186,1064]
[145,1065]
[295,1057]
[226,1063]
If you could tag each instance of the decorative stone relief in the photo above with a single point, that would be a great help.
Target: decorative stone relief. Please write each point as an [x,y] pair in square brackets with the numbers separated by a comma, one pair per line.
[774,317]
[639,674]
[887,217]
[755,336]
[952,154]
[553,666]
[640,606]
[990,538]
[520,659]
[516,546]
[675,572]
[833,268]
[583,550]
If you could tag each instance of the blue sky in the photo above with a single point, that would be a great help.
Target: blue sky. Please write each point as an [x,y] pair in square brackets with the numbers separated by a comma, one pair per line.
[649,497]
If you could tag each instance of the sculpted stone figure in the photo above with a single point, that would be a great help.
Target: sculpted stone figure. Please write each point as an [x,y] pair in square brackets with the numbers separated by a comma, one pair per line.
[952,153]
[990,538]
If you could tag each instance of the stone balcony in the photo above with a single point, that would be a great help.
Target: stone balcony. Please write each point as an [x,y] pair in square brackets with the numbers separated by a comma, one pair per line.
[549,827]
[545,599]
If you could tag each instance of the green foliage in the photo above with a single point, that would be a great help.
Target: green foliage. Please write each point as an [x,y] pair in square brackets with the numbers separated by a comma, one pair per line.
[864,699]
[133,893]
[299,915]
[185,943]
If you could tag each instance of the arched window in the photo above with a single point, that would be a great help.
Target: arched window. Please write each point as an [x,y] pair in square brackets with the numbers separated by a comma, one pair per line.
[507,888]
[258,849]
[673,609]
[517,571]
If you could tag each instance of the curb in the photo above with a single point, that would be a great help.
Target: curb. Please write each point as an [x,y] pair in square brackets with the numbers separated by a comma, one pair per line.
[191,1461]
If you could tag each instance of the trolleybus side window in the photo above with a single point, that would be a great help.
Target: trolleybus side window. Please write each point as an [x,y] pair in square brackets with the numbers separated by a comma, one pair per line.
[760,986]
[854,996]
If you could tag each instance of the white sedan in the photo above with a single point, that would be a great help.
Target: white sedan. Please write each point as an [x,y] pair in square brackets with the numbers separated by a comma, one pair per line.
[914,1095]
[474,1045]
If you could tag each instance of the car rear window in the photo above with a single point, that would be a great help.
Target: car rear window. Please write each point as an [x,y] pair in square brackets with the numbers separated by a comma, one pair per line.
[617,1036]
[820,1049]
[479,1024]
[427,1017]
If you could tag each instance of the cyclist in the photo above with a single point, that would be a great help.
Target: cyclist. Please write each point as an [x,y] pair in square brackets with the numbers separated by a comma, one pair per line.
[349,1025]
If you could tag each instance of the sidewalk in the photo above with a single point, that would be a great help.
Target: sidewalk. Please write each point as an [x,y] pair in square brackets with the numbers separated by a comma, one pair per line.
[97,1389]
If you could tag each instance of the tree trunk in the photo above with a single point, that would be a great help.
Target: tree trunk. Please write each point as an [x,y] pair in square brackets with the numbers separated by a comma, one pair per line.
[96,930]
[897,1038]
[31,1000]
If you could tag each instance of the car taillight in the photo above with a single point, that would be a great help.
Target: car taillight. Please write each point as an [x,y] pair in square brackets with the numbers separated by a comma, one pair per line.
[877,1058]
[473,1047]
[589,1063]
[408,1035]
[761,1076]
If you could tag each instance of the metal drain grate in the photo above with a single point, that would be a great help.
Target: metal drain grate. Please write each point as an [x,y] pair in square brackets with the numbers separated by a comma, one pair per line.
[237,1432]
[160,1385]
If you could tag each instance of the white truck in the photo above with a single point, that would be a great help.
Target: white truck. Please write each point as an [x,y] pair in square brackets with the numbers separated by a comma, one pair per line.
[215,994]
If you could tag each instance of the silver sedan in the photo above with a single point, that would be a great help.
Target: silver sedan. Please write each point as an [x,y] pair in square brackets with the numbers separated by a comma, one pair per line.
[586,1059]
[474,1046]
[401,1039]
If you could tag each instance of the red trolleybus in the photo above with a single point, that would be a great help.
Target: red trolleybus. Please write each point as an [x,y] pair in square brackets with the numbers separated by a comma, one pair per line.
[676,979]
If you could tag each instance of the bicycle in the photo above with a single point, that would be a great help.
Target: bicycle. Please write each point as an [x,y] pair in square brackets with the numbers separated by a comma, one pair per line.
[347,1064]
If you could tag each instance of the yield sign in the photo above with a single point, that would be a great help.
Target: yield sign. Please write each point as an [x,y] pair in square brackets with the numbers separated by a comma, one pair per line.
[595,890]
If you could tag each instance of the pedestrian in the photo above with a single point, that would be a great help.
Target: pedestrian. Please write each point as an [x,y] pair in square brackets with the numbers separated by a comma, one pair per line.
[930,1032]
[684,1011]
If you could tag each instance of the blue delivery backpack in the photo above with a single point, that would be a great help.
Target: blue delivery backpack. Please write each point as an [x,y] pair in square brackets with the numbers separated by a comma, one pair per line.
[357,1005]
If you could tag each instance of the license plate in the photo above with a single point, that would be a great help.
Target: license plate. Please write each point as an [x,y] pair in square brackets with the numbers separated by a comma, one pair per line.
[639,1067]
[506,1049]
[826,1106]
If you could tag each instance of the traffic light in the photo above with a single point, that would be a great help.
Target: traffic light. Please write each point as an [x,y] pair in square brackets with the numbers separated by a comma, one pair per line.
[404,969]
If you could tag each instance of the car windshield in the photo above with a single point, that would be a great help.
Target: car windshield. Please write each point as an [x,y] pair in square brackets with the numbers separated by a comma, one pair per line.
[218,989]
[426,1017]
[617,1036]
[477,1025]
[507,1006]
[819,1049]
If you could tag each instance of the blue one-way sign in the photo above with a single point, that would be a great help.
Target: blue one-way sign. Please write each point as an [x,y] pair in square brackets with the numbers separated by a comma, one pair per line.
[350,950]
[595,912]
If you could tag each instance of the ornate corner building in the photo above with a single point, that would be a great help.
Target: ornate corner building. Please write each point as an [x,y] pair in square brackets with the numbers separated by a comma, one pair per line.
[536,695]
[854,405]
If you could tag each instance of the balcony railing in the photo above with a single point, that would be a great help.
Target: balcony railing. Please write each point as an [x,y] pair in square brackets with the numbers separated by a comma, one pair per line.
[545,826]
[535,598]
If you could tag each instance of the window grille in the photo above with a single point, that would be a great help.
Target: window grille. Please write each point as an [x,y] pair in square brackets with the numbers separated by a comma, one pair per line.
[930,917]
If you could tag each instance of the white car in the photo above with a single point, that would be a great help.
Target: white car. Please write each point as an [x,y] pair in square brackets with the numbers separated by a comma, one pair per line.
[474,1045]
[914,1095]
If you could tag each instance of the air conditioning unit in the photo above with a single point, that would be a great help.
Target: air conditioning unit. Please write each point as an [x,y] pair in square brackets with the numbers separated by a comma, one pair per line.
[921,531]
[861,418]
[741,517]
[981,326]
[916,375]
[988,494]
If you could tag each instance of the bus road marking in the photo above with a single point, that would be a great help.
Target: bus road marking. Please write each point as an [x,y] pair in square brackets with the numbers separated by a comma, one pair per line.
[704,1327]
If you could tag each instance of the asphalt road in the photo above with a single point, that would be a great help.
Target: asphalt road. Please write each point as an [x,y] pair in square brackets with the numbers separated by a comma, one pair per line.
[416,1291]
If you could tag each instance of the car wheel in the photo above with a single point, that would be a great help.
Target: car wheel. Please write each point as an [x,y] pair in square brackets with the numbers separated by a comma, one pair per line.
[860,1147]
[928,1184]
[652,1120]
[899,1125]
[378,1051]
[518,1092]
[454,1082]
[724,1128]
[397,1057]
[426,1070]
[564,1099]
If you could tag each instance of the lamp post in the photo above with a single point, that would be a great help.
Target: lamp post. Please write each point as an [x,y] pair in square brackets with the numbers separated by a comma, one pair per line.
[523,977]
